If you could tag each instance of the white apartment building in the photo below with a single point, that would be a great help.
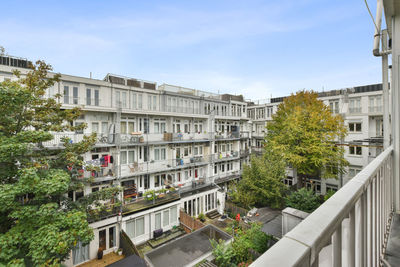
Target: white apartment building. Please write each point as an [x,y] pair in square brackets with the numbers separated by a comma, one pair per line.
[169,147]
[362,110]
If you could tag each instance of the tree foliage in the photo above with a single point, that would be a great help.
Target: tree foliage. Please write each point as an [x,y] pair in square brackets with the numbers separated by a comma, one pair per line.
[304,132]
[39,223]
[242,248]
[261,182]
[303,199]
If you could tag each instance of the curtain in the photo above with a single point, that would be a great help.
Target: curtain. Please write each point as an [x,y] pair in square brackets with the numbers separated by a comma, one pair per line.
[130,228]
[165,217]
[80,253]
[139,226]
[158,221]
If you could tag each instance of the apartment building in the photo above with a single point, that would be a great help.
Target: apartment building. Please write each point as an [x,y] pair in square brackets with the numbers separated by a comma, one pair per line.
[169,147]
[362,110]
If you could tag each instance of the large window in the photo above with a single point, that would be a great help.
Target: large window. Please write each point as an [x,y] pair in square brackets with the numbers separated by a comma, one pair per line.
[375,103]
[354,170]
[354,127]
[66,95]
[355,150]
[159,125]
[75,95]
[158,220]
[159,153]
[135,227]
[355,105]
[88,96]
[334,106]
[80,253]
[165,217]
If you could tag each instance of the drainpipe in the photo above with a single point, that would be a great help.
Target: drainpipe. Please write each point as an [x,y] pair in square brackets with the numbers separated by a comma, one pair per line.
[377,35]
[378,22]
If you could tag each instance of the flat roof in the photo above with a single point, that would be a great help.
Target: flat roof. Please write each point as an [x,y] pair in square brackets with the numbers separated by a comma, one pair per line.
[186,249]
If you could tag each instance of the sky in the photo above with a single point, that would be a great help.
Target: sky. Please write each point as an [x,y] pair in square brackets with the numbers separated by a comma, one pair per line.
[260,49]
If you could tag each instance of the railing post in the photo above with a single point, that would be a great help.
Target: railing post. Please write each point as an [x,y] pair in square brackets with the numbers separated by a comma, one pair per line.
[368,254]
[337,247]
[352,234]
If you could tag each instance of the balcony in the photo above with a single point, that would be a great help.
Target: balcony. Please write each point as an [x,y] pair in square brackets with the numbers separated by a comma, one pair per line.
[227,135]
[161,165]
[349,229]
[57,141]
[228,176]
[224,156]
[375,109]
[145,202]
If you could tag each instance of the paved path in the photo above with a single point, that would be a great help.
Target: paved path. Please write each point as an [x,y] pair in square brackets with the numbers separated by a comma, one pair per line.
[271,220]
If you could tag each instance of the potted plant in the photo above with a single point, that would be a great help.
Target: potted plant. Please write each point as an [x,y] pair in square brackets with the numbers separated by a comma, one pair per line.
[100,254]
[120,251]
[201,217]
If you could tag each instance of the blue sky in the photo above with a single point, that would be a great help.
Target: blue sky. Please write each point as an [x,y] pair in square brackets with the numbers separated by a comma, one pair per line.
[256,48]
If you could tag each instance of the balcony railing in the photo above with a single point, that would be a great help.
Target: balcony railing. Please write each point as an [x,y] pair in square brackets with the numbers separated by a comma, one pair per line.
[375,109]
[57,140]
[356,216]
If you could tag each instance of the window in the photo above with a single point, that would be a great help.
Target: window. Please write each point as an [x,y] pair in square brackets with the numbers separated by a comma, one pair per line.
[80,253]
[134,101]
[158,221]
[355,127]
[159,126]
[154,102]
[75,95]
[375,103]
[124,99]
[334,106]
[95,127]
[355,105]
[66,95]
[355,150]
[111,237]
[149,102]
[140,101]
[88,96]
[353,171]
[123,157]
[139,226]
[159,153]
[96,98]
[131,157]
[165,218]
[146,181]
[157,181]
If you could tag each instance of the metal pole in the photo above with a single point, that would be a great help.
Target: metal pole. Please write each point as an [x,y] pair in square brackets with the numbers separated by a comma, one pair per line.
[385,87]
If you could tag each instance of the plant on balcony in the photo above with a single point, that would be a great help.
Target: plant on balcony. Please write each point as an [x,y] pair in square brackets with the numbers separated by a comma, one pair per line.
[150,195]
[304,133]
[45,226]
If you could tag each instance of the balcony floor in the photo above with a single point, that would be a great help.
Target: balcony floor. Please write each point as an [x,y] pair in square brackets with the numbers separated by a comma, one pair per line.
[392,254]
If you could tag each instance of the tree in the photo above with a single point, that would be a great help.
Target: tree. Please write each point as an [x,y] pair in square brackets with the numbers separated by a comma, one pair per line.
[305,133]
[39,223]
[261,182]
[303,199]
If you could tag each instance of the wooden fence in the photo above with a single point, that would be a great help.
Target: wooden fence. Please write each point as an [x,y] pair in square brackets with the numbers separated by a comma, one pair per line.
[188,223]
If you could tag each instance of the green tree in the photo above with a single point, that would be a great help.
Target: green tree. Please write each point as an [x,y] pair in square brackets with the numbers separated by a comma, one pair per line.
[261,182]
[303,199]
[304,132]
[39,223]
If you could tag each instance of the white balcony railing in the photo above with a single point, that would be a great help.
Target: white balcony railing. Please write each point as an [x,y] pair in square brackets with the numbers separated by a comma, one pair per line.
[362,208]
